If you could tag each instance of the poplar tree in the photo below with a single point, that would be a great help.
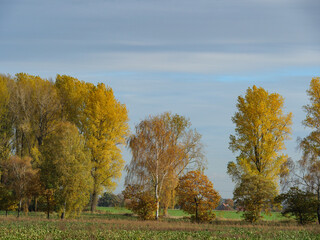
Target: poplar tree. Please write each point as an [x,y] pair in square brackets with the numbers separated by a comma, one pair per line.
[261,129]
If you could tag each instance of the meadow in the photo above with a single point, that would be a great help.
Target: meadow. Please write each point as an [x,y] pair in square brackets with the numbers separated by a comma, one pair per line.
[119,223]
[177,213]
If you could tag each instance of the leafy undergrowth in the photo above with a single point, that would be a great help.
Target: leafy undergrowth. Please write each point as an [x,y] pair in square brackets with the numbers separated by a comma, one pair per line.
[97,228]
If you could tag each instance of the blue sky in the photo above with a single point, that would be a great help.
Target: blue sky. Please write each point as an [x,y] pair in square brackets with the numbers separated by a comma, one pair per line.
[189,57]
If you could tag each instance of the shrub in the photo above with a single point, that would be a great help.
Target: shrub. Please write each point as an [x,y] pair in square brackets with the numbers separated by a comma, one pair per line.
[141,201]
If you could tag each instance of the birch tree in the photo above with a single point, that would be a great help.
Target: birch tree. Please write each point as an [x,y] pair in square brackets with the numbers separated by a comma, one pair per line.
[162,147]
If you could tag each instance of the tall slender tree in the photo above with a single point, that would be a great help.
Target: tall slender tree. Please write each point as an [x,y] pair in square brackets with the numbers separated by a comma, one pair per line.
[105,127]
[261,128]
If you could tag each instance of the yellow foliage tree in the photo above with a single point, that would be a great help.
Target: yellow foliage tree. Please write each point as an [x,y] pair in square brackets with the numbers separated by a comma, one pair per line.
[103,121]
[105,127]
[197,196]
[261,128]
[6,119]
[36,108]
[72,94]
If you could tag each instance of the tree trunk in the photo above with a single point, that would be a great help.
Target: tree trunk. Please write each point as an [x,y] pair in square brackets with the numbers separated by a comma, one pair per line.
[94,200]
[165,210]
[6,213]
[35,204]
[318,208]
[48,207]
[64,211]
[19,208]
[197,220]
[157,201]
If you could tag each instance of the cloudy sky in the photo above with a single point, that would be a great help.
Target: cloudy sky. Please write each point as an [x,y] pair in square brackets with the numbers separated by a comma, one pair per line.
[188,57]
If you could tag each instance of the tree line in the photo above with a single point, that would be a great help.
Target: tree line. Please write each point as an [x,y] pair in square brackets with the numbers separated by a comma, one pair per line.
[60,150]
[60,143]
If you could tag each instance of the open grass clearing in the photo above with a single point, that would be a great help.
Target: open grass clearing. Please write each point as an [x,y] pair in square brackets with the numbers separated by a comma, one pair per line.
[176,213]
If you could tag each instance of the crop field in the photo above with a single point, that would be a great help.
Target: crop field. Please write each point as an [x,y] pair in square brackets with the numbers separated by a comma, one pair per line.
[118,223]
[40,228]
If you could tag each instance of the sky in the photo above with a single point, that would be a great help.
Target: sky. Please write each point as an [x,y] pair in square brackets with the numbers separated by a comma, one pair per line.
[188,57]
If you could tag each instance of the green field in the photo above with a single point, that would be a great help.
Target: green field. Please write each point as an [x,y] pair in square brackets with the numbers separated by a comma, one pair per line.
[120,223]
[221,215]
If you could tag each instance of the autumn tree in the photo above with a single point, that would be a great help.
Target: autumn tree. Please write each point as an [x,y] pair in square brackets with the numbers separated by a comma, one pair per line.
[73,94]
[261,128]
[6,119]
[65,170]
[141,201]
[162,147]
[105,127]
[35,105]
[306,172]
[103,121]
[197,196]
[17,177]
[31,112]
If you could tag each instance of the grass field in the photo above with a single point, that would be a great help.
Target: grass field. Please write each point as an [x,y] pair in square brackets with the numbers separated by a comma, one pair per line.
[221,215]
[119,223]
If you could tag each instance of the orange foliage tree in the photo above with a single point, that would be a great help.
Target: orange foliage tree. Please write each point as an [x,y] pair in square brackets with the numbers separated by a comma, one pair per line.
[162,148]
[197,196]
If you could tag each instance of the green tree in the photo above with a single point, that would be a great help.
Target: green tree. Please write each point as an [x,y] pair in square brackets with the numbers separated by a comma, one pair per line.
[302,205]
[261,128]
[253,195]
[110,200]
[8,202]
[197,196]
[65,169]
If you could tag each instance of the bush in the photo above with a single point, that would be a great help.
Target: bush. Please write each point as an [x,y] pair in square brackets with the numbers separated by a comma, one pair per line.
[141,202]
